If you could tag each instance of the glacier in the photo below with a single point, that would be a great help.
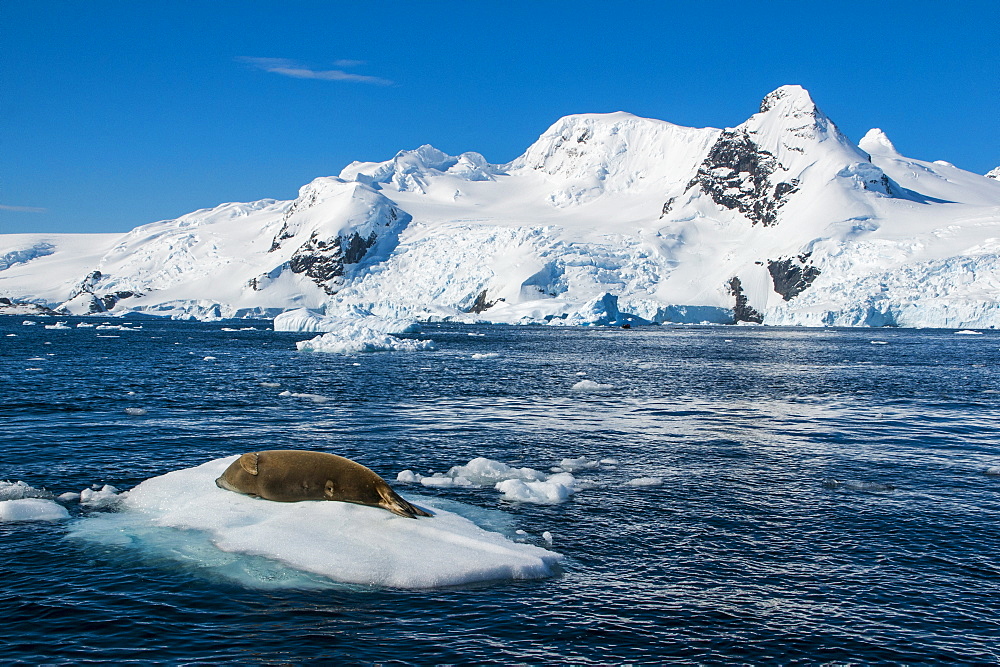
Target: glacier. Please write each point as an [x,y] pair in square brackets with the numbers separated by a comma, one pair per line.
[606,219]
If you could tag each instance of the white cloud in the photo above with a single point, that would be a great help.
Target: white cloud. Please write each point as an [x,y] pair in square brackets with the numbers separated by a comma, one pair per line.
[23,209]
[286,67]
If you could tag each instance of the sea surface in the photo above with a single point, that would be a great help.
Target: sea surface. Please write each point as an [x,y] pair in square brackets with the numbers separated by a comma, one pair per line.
[824,496]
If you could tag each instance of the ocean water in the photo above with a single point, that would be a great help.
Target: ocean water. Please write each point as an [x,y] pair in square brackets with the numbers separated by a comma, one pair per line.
[826,495]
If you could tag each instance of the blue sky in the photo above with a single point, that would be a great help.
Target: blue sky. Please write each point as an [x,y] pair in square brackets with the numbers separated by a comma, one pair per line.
[115,114]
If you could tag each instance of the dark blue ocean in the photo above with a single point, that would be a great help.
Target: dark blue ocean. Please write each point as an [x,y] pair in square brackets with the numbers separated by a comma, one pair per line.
[826,494]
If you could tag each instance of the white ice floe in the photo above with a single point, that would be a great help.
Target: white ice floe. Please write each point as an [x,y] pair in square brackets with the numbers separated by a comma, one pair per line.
[270,385]
[525,485]
[315,398]
[343,542]
[645,481]
[579,463]
[57,325]
[590,385]
[555,489]
[18,490]
[136,412]
[100,497]
[992,470]
[485,355]
[32,509]
[209,358]
[307,321]
[84,325]
[29,323]
[969,332]
[357,337]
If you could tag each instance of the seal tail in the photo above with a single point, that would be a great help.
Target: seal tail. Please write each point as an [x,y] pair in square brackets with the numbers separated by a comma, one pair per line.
[395,504]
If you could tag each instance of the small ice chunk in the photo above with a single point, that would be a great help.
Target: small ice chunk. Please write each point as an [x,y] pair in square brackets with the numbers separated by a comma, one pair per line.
[590,385]
[880,342]
[136,412]
[992,470]
[969,332]
[57,325]
[485,355]
[270,385]
[581,373]
[84,325]
[645,481]
[547,536]
[68,497]
[209,359]
[11,335]
[487,472]
[29,323]
[100,497]
[440,480]
[408,477]
[556,489]
[581,463]
[18,490]
[32,509]
[315,398]
[609,462]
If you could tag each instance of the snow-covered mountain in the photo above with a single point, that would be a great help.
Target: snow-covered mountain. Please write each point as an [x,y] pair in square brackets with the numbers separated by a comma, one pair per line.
[605,218]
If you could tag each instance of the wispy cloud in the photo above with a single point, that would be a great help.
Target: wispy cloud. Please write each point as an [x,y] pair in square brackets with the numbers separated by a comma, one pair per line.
[23,209]
[286,67]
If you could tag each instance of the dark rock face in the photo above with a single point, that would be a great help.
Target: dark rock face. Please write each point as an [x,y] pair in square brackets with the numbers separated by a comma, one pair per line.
[792,275]
[481,304]
[742,311]
[109,301]
[323,260]
[738,174]
[100,303]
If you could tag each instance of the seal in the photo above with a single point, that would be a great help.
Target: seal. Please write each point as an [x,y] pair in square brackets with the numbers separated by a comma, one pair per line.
[291,475]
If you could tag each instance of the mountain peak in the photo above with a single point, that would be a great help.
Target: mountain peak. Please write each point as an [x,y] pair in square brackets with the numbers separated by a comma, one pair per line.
[875,142]
[994,173]
[788,100]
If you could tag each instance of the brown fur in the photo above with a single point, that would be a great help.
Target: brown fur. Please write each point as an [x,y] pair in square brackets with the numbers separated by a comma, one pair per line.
[290,475]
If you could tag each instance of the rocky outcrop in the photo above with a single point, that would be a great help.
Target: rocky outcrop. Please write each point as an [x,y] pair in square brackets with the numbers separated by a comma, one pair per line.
[739,175]
[742,311]
[324,260]
[792,275]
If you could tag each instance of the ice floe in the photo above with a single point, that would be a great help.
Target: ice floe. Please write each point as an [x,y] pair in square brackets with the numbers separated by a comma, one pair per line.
[485,355]
[346,543]
[100,497]
[315,398]
[20,501]
[525,485]
[32,509]
[645,481]
[969,332]
[136,412]
[359,339]
[590,385]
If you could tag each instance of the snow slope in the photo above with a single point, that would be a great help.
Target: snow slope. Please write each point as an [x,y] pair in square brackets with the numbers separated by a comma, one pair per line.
[606,218]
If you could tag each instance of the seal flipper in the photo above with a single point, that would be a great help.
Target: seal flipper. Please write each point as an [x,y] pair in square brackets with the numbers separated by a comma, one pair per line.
[395,504]
[249,462]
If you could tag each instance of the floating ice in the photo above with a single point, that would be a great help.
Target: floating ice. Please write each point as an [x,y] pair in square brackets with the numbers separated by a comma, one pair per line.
[969,332]
[880,342]
[209,358]
[555,489]
[68,497]
[84,325]
[590,385]
[645,481]
[32,509]
[11,335]
[18,490]
[136,412]
[57,325]
[270,385]
[856,485]
[347,543]
[315,398]
[992,470]
[361,339]
[580,463]
[485,355]
[29,323]
[307,321]
[100,497]
[525,485]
